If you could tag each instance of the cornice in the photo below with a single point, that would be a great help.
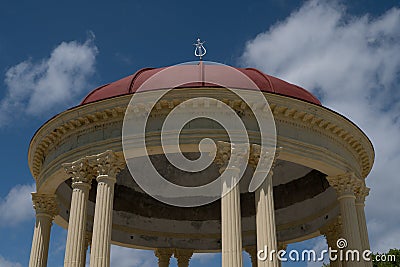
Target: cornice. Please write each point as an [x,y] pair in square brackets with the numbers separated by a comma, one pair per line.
[285,109]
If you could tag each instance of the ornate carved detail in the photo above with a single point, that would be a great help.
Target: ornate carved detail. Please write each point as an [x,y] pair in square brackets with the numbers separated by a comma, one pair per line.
[106,163]
[183,256]
[163,254]
[223,153]
[45,203]
[80,172]
[266,154]
[238,152]
[329,127]
[59,132]
[325,123]
[239,155]
[346,183]
[361,192]
[332,231]
[85,169]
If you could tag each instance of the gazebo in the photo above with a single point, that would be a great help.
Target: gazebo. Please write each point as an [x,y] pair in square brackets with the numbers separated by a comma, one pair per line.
[315,186]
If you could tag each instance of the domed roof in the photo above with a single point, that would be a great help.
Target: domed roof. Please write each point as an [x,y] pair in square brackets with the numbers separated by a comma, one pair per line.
[218,73]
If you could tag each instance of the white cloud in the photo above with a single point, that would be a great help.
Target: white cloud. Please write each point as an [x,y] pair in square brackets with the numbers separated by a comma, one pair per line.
[6,263]
[34,88]
[127,257]
[16,207]
[353,65]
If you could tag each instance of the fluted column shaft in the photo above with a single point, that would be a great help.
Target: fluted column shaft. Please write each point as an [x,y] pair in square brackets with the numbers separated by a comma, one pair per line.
[106,165]
[233,160]
[362,225]
[164,256]
[74,255]
[263,161]
[101,241]
[350,221]
[231,225]
[40,242]
[345,186]
[361,194]
[265,222]
[46,208]
[81,183]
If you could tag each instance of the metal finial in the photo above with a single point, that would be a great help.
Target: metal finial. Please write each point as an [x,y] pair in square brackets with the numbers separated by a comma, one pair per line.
[200,50]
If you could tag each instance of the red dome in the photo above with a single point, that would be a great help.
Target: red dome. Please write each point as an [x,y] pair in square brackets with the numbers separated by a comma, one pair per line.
[218,73]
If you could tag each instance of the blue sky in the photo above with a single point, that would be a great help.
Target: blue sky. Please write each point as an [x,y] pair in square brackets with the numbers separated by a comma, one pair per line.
[52,54]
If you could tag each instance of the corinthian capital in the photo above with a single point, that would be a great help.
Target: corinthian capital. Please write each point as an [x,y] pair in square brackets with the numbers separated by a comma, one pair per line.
[45,204]
[346,183]
[361,192]
[332,231]
[80,172]
[262,157]
[183,256]
[163,254]
[106,163]
[235,154]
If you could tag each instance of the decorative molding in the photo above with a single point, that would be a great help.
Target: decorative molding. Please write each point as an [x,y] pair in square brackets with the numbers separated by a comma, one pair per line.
[267,155]
[80,172]
[223,154]
[346,183]
[45,204]
[183,256]
[361,192]
[72,126]
[237,154]
[163,254]
[85,169]
[332,231]
[106,164]
[285,109]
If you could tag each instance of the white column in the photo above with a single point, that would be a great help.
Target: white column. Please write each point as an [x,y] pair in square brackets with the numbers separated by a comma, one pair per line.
[183,256]
[265,222]
[81,175]
[361,193]
[333,232]
[164,256]
[46,208]
[106,166]
[345,185]
[264,201]
[231,227]
[231,222]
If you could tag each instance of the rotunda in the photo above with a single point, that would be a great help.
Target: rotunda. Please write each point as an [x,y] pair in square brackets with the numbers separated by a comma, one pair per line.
[316,184]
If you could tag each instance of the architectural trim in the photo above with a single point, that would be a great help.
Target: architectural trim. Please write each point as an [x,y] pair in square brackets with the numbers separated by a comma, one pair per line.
[285,109]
